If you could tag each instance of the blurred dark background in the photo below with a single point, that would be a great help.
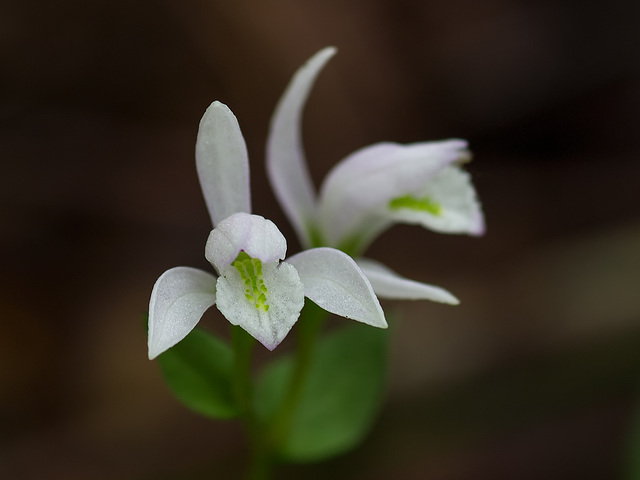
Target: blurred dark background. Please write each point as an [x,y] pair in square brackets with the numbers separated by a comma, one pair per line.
[535,375]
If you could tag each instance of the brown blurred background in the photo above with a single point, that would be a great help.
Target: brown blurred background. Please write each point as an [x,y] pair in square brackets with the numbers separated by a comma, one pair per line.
[535,375]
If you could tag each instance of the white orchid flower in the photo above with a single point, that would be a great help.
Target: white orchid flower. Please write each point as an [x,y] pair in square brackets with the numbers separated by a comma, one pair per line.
[385,183]
[254,288]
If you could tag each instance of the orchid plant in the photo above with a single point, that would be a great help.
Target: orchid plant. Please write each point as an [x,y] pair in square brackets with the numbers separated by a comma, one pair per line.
[261,292]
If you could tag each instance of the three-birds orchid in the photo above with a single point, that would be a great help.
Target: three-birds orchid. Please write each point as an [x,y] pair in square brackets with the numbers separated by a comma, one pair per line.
[256,286]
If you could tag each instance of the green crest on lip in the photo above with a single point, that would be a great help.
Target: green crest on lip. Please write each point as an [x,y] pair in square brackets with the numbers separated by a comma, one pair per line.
[422,204]
[250,270]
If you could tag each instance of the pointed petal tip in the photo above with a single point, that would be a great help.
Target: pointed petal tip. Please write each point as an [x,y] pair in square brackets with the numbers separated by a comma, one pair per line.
[269,346]
[450,300]
[218,108]
[480,227]
[328,52]
[218,104]
[268,343]
[157,347]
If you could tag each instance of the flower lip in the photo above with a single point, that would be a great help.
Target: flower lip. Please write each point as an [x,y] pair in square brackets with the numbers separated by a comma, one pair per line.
[459,209]
[266,302]
[360,188]
[242,232]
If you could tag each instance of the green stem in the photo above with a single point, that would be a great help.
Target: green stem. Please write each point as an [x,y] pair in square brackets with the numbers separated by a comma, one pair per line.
[311,319]
[266,439]
[242,344]
[260,464]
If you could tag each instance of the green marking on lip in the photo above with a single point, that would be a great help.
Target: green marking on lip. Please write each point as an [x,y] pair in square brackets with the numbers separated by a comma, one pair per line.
[422,204]
[250,270]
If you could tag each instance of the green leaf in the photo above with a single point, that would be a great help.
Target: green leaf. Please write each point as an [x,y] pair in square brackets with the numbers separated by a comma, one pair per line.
[198,371]
[340,398]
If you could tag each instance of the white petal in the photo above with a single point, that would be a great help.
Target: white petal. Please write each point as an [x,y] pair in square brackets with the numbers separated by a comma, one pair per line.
[222,163]
[178,300]
[388,284]
[284,297]
[253,234]
[286,163]
[333,280]
[459,209]
[358,189]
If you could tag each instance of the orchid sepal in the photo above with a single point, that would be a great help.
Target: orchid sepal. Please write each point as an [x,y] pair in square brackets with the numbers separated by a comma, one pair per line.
[222,163]
[388,284]
[179,298]
[286,163]
[333,281]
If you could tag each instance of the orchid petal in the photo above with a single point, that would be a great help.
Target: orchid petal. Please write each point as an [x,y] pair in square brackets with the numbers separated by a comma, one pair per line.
[178,300]
[357,192]
[333,280]
[457,207]
[388,284]
[255,235]
[269,319]
[222,163]
[286,163]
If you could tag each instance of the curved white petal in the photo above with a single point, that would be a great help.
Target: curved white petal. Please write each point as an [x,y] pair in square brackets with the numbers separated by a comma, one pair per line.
[284,299]
[253,234]
[222,163]
[178,300]
[358,190]
[333,280]
[459,210]
[388,284]
[286,163]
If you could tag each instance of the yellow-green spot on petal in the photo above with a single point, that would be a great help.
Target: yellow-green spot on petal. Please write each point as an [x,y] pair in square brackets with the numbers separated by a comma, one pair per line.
[422,204]
[250,270]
